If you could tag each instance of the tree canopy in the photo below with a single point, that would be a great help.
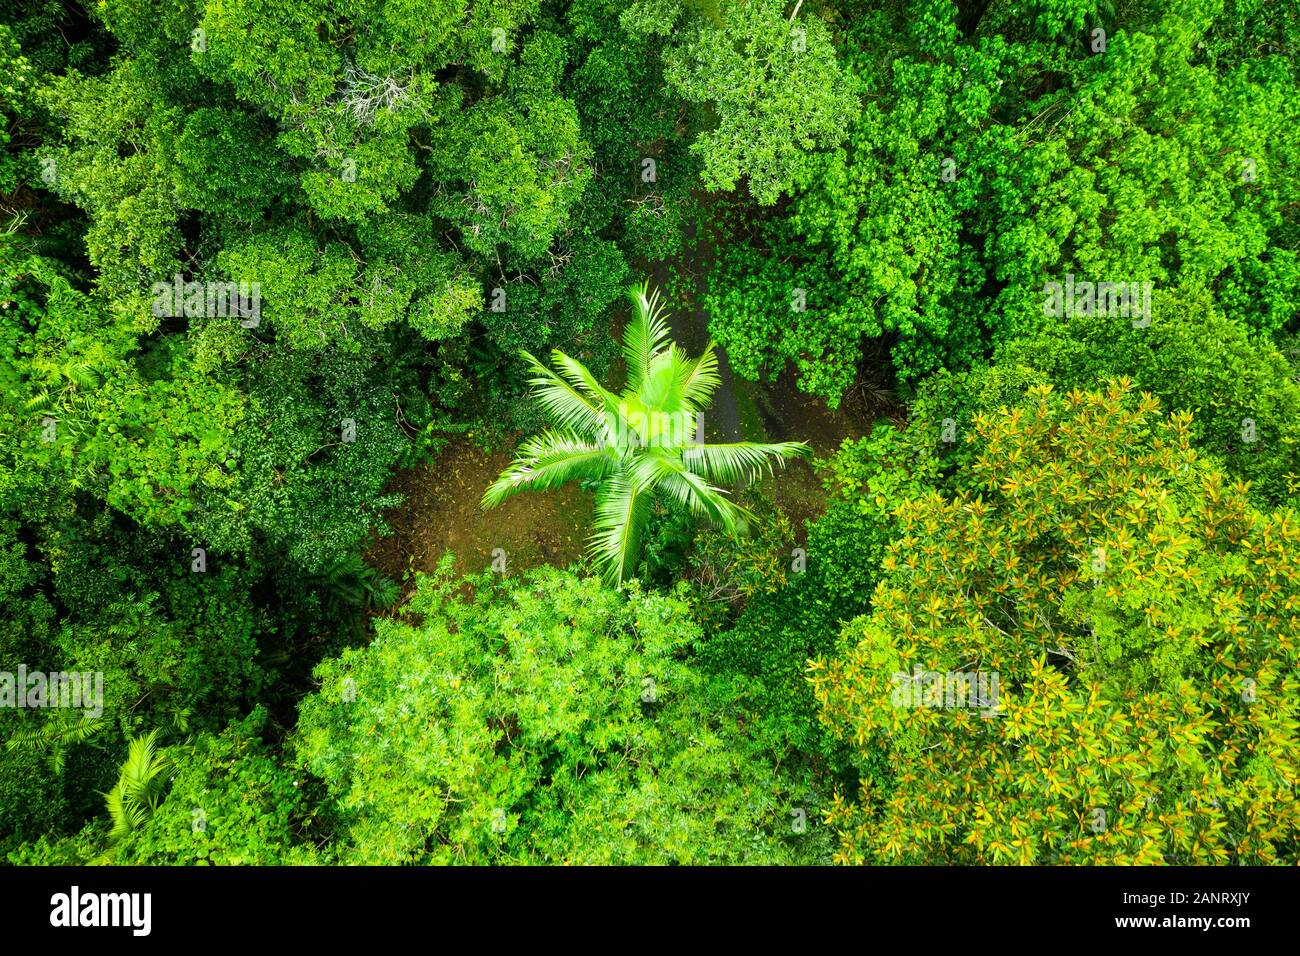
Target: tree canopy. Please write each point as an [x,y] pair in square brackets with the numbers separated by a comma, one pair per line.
[290,290]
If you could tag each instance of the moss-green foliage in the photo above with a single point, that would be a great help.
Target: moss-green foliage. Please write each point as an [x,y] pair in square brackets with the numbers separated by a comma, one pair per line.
[1242,391]
[766,610]
[770,643]
[987,162]
[545,720]
[229,803]
[776,89]
[15,90]
[32,803]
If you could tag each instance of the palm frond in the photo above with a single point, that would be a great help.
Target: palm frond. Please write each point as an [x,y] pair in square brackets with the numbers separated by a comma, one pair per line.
[740,462]
[40,400]
[645,333]
[580,378]
[144,773]
[549,460]
[622,507]
[30,736]
[139,788]
[565,404]
[53,737]
[81,374]
[701,380]
[636,443]
[664,387]
[126,815]
[668,473]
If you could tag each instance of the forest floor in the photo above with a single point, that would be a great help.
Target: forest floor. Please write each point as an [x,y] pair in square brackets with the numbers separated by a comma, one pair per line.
[440,511]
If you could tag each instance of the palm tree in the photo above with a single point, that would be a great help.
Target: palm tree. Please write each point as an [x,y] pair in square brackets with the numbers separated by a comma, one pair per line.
[139,789]
[637,444]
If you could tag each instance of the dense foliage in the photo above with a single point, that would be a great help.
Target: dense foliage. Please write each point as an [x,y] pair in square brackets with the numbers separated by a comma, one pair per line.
[1142,618]
[273,275]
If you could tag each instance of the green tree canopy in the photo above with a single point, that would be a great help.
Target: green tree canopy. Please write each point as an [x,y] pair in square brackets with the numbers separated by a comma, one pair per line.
[1141,618]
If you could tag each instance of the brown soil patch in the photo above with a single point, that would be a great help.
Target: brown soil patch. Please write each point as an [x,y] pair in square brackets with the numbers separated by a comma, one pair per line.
[441,513]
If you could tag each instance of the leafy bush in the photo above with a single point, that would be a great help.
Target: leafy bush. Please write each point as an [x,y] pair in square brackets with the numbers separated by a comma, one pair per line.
[228,803]
[545,720]
[1126,598]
